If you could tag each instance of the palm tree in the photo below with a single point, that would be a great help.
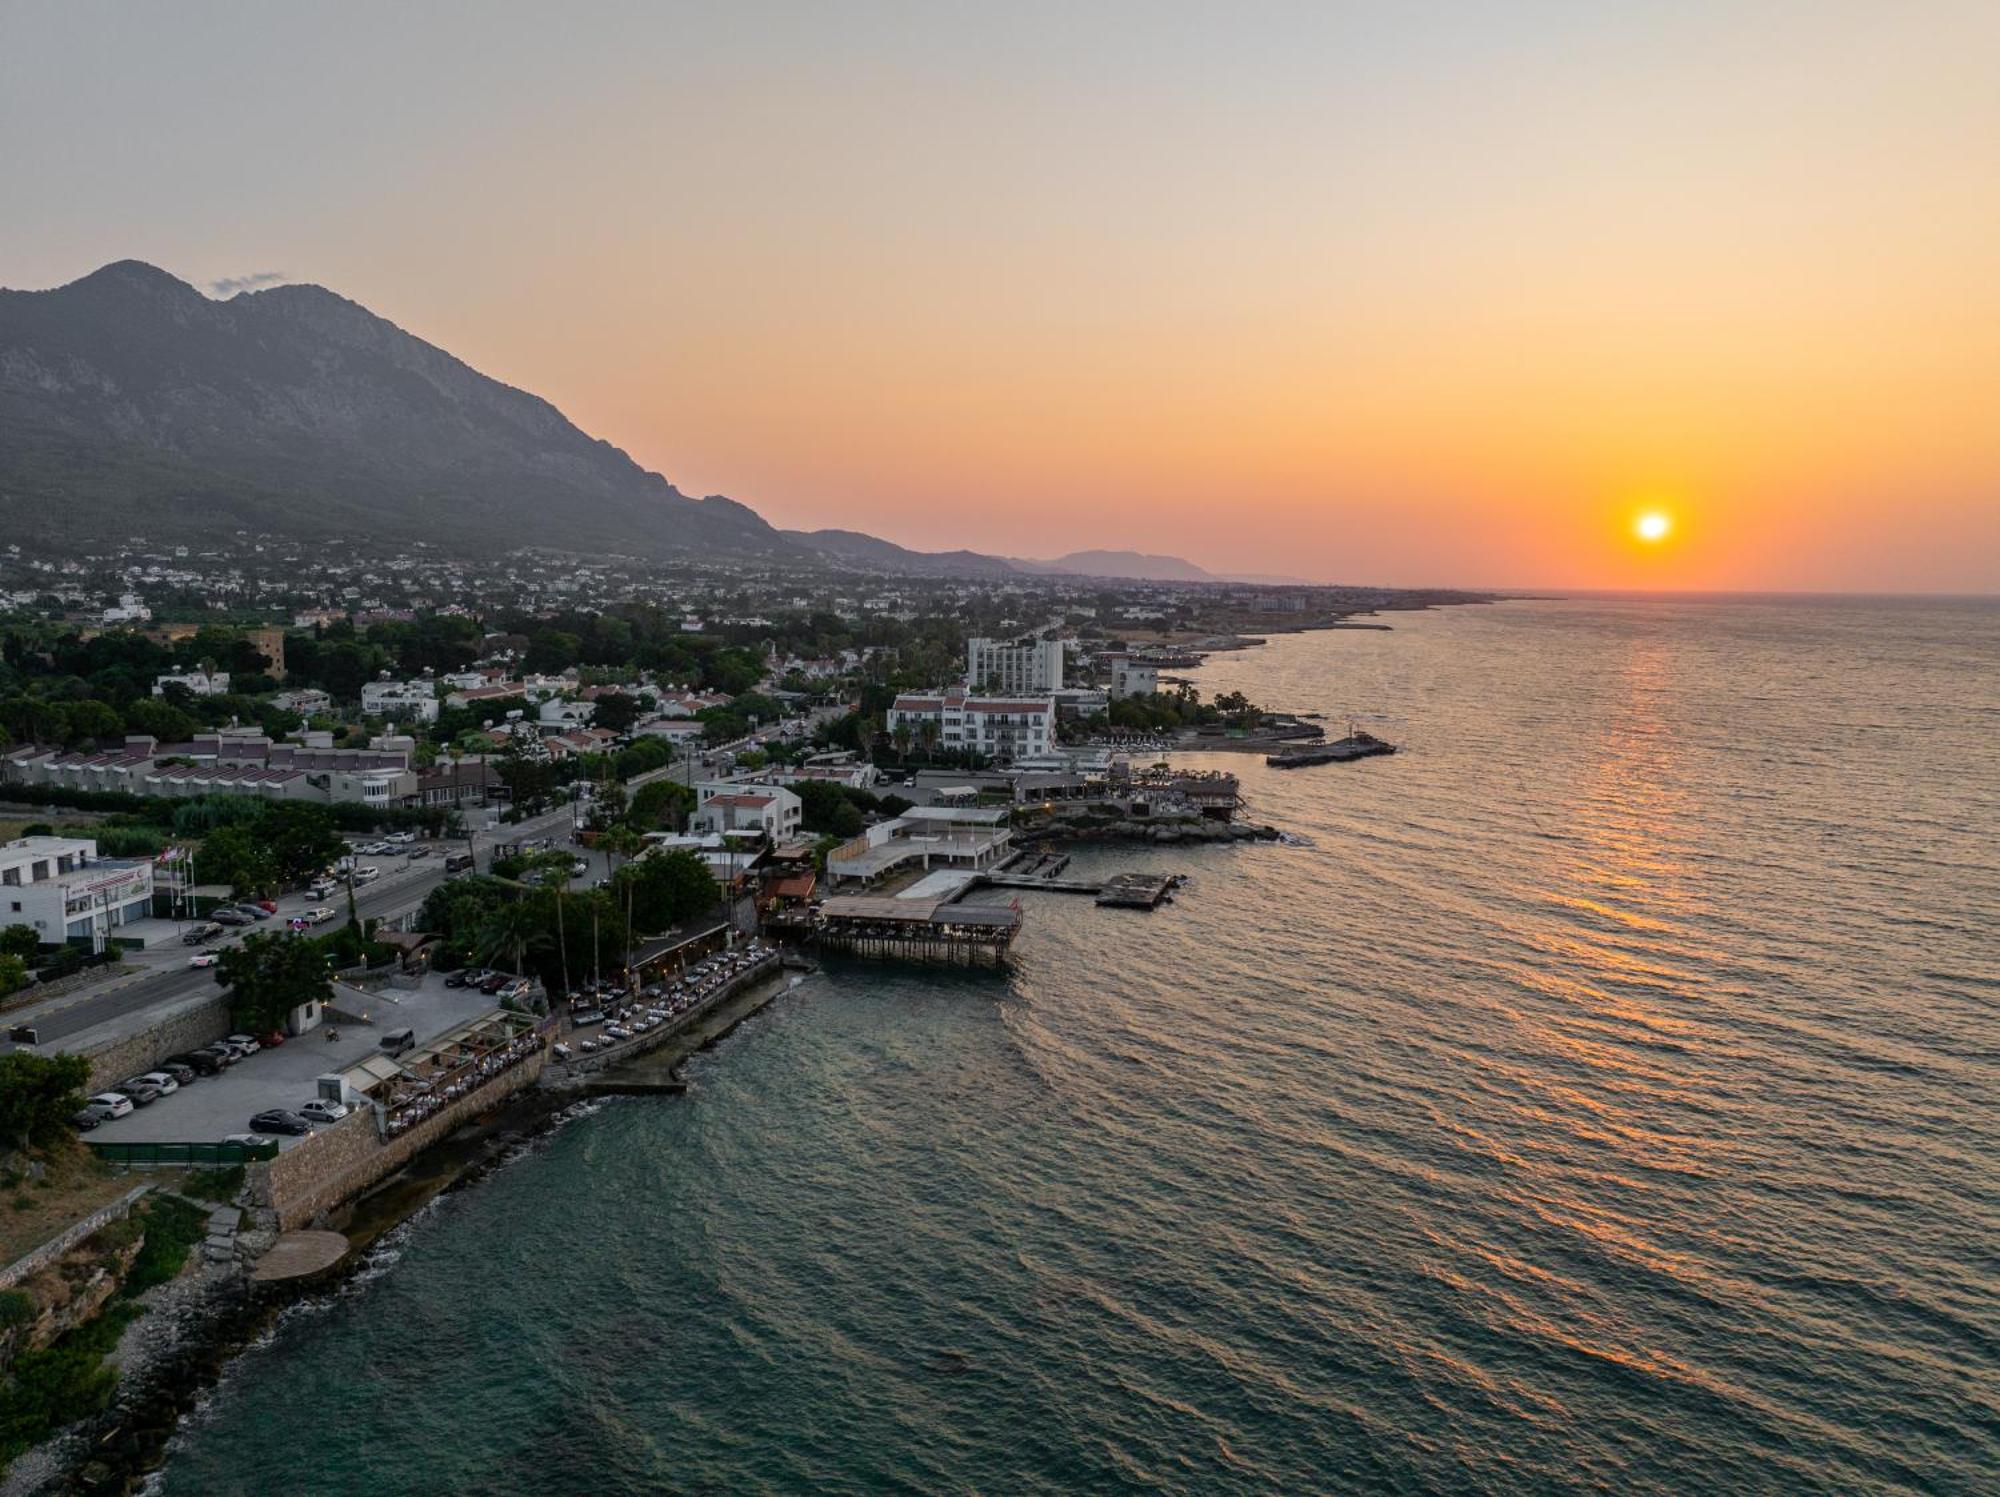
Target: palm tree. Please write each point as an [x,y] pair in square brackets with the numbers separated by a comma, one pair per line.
[563,866]
[508,933]
[622,842]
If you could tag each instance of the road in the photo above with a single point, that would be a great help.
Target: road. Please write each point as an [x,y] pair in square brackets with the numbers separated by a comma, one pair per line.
[168,979]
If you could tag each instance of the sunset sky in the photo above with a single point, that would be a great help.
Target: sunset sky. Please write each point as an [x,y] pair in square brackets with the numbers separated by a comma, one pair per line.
[1398,292]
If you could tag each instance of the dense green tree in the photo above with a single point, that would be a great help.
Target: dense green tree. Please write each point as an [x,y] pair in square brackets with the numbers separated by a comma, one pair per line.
[824,809]
[509,932]
[37,1095]
[614,711]
[165,722]
[237,856]
[301,838]
[271,974]
[660,806]
[20,940]
[664,888]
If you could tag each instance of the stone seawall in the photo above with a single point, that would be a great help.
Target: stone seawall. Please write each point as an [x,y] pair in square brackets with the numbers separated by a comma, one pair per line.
[338,1163]
[200,1023]
[39,1258]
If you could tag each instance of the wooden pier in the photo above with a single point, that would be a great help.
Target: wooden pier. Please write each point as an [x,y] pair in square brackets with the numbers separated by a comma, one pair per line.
[919,929]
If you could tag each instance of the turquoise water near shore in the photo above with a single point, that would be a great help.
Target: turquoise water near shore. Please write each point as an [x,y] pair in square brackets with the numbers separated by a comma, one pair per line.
[1604,1101]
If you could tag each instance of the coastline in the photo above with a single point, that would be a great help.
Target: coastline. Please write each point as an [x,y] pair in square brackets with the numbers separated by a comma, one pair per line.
[196,1325]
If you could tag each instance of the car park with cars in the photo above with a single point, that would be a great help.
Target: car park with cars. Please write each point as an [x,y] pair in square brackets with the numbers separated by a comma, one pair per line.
[319,1110]
[278,1120]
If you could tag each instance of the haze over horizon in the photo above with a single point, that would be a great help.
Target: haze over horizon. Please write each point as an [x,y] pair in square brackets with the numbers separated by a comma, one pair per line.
[1444,299]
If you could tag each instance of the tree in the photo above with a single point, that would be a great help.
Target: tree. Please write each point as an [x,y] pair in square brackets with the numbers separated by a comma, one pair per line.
[557,869]
[301,840]
[823,808]
[664,889]
[660,806]
[509,932]
[271,974]
[20,940]
[13,973]
[237,856]
[167,723]
[37,1095]
[614,711]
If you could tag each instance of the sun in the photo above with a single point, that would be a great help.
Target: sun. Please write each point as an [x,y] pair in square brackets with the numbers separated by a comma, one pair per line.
[1652,526]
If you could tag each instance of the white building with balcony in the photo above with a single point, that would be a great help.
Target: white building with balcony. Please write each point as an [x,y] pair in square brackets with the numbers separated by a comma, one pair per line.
[1001,729]
[746,806]
[61,889]
[200,683]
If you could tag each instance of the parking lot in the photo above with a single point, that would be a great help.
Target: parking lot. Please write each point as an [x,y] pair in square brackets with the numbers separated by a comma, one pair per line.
[213,1107]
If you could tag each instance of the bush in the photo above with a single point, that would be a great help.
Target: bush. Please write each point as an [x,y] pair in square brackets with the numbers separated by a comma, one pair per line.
[15,1308]
[219,1184]
[65,1381]
[172,1228]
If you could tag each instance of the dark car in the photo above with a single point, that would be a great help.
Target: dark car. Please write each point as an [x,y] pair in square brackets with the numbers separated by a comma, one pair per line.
[180,1070]
[466,977]
[142,1092]
[277,1120]
[199,1062]
[231,916]
[420,852]
[85,1118]
[222,1055]
[494,983]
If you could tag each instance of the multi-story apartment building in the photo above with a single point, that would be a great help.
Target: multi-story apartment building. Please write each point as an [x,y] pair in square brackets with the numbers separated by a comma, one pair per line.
[1001,729]
[1029,667]
[401,699]
[746,806]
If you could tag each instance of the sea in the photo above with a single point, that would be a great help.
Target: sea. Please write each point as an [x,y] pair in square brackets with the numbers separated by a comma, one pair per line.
[1601,1095]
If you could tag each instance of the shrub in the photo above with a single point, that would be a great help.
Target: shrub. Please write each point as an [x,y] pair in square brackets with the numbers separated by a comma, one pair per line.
[172,1228]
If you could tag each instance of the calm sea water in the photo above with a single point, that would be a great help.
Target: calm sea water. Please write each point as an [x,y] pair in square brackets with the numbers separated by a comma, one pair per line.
[1607,1100]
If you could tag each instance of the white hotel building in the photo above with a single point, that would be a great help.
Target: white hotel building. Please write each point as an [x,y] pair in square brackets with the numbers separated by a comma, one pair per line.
[61,889]
[1002,729]
[1031,667]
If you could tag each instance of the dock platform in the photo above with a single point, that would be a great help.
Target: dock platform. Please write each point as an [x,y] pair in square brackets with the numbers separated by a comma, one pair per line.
[1137,891]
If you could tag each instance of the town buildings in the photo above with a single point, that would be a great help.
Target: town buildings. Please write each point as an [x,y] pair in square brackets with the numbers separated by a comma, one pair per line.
[999,729]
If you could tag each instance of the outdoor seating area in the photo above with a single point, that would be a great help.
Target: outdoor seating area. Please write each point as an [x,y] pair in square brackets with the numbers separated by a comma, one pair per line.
[456,1067]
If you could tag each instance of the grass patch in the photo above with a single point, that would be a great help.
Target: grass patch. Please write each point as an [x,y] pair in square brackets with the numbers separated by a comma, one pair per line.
[64,1381]
[219,1185]
[172,1228]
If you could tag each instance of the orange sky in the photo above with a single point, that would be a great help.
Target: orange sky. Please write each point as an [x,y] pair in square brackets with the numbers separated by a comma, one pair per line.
[1433,294]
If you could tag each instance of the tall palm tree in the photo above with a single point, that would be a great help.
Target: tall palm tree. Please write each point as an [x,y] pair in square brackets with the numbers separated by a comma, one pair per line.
[563,866]
[623,843]
[508,933]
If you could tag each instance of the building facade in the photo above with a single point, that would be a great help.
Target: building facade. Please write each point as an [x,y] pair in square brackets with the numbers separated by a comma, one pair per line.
[1030,667]
[62,890]
[1001,729]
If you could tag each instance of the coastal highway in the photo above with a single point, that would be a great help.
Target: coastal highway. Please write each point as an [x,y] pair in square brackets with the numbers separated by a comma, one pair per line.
[166,979]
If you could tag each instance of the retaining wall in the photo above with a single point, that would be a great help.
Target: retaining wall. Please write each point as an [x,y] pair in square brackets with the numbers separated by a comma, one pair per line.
[69,1237]
[185,1029]
[338,1163]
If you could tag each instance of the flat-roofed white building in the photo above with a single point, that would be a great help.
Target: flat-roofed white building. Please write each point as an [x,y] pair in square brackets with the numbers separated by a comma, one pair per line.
[1001,729]
[1026,667]
[200,683]
[62,890]
[401,699]
[746,806]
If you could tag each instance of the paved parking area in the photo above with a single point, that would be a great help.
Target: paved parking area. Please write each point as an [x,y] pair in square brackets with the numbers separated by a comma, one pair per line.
[213,1107]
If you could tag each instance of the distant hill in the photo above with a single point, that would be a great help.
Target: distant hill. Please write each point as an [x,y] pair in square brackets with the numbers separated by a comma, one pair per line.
[131,403]
[1135,565]
[856,549]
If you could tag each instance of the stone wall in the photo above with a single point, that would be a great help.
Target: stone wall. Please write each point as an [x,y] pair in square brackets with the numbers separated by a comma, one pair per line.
[185,1029]
[69,1237]
[338,1163]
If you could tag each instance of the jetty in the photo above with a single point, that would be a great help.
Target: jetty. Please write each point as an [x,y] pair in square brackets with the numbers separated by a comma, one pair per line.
[1356,745]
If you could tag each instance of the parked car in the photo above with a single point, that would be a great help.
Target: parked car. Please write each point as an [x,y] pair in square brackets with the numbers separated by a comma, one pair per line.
[367,874]
[244,1042]
[262,911]
[319,1110]
[111,1105]
[247,1140]
[204,959]
[396,1041]
[194,935]
[466,977]
[143,1093]
[180,1070]
[420,852]
[374,849]
[494,982]
[268,906]
[85,1118]
[223,1056]
[270,1039]
[319,914]
[165,1083]
[277,1120]
[231,916]
[402,836]
[200,1062]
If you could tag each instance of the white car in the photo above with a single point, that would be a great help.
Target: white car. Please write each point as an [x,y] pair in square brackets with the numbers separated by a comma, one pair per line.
[318,914]
[203,959]
[367,874]
[109,1105]
[167,1085]
[401,837]
[319,1110]
[247,1140]
[243,1042]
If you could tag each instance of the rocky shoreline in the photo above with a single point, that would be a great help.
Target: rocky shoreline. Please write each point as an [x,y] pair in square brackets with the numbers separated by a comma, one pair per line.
[197,1324]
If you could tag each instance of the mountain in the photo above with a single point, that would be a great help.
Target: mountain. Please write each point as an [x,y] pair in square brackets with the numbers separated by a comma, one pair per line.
[132,404]
[1135,565]
[856,549]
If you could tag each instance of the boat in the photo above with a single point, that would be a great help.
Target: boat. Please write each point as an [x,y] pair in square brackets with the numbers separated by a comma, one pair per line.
[1356,745]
